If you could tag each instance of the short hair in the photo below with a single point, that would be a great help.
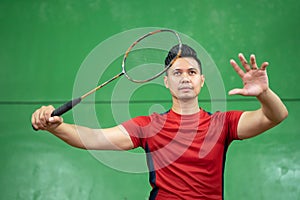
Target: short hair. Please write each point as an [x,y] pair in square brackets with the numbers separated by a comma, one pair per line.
[186,51]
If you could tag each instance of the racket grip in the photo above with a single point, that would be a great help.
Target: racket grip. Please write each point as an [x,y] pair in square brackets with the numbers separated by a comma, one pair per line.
[66,107]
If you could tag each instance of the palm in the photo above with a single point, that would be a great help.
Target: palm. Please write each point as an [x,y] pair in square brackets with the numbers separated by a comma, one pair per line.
[255,79]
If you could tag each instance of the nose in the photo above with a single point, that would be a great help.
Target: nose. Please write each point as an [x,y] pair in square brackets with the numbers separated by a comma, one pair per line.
[185,78]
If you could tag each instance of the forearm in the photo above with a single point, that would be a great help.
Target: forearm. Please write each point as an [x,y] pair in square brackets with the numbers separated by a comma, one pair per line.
[93,139]
[272,106]
[70,134]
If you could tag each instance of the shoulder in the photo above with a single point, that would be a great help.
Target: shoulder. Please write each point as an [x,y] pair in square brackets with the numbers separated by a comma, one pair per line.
[227,116]
[145,120]
[230,113]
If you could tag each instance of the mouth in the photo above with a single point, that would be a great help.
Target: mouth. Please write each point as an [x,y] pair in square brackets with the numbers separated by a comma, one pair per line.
[185,87]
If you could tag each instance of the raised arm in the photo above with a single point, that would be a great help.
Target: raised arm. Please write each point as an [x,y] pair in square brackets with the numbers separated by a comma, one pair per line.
[255,81]
[114,138]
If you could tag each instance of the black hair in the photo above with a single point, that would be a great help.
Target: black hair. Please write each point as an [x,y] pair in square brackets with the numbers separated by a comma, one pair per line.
[186,51]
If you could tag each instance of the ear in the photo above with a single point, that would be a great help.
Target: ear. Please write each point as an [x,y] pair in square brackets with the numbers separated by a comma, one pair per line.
[202,80]
[166,81]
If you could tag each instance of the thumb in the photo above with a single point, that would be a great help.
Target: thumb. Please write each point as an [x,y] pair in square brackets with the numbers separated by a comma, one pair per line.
[55,120]
[236,91]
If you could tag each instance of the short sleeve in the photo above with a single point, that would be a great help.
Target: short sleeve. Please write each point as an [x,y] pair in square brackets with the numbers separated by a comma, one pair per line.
[232,120]
[135,129]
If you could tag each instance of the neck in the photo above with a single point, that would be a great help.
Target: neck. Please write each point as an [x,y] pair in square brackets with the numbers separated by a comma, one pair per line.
[185,107]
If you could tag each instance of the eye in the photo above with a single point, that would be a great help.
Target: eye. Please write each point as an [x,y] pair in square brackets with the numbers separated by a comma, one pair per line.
[176,73]
[193,72]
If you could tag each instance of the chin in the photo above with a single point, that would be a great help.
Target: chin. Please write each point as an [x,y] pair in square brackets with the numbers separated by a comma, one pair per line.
[186,97]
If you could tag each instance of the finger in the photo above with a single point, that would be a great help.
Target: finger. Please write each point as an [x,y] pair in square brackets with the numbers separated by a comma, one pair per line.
[48,112]
[42,118]
[42,121]
[236,68]
[244,62]
[264,66]
[253,61]
[38,123]
[33,121]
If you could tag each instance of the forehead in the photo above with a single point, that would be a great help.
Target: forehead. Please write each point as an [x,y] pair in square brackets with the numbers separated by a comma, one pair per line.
[185,62]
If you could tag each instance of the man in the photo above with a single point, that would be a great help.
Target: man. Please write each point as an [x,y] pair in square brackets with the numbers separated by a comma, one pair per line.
[186,146]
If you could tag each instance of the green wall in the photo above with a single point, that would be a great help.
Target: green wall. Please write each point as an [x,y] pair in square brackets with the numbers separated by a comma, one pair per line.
[44,43]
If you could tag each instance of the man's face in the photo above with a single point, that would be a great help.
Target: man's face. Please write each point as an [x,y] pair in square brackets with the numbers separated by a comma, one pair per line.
[184,79]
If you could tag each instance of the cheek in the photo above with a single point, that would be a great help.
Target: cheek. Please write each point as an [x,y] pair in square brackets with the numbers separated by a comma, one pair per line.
[172,82]
[198,83]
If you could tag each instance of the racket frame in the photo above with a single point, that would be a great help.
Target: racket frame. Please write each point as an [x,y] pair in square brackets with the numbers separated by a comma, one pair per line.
[166,67]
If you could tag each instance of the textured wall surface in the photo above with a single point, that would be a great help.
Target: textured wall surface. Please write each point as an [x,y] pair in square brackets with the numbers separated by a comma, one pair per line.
[44,43]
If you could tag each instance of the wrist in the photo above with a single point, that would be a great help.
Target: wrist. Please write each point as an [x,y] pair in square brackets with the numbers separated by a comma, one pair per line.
[264,93]
[53,128]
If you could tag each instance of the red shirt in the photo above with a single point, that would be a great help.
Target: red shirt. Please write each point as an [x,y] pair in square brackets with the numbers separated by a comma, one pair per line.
[185,153]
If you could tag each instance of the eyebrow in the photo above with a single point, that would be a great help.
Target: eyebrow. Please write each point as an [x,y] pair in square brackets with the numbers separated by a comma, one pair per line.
[190,68]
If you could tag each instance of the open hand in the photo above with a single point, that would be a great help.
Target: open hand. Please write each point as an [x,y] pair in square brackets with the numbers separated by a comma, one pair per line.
[255,79]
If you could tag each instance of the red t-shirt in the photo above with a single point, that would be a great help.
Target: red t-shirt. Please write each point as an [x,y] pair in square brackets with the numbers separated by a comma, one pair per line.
[185,153]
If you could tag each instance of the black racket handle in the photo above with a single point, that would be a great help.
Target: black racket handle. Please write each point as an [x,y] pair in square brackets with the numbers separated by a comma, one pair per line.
[64,108]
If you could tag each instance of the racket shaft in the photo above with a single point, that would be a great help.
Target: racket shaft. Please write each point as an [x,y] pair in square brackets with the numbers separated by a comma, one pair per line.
[66,107]
[70,104]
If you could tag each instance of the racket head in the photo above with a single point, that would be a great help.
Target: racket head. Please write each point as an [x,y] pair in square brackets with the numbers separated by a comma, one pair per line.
[146,42]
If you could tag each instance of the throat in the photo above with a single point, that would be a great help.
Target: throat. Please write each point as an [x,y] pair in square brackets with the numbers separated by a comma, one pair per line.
[185,107]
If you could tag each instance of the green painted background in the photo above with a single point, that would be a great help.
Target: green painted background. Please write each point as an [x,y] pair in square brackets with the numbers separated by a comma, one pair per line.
[43,43]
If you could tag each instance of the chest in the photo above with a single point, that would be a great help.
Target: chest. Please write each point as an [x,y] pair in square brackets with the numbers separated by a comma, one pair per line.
[197,146]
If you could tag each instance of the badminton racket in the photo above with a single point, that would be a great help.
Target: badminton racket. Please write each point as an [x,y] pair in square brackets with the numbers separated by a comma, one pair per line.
[148,52]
